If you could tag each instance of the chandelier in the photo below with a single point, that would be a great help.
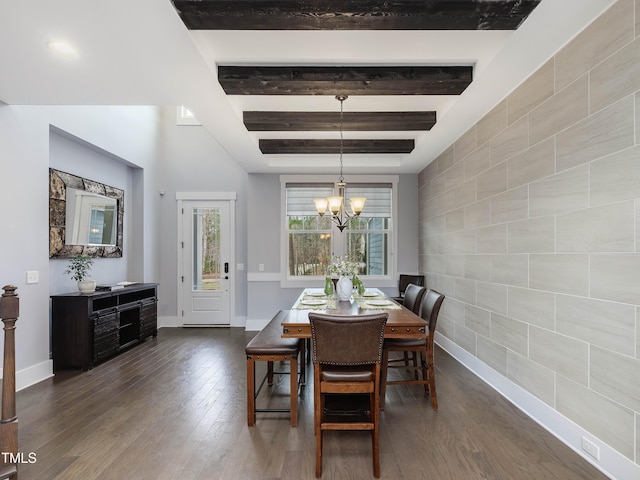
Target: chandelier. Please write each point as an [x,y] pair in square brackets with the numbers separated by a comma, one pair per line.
[336,204]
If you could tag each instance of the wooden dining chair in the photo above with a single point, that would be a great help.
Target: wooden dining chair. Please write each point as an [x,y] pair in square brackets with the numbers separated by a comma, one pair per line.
[346,352]
[431,303]
[412,300]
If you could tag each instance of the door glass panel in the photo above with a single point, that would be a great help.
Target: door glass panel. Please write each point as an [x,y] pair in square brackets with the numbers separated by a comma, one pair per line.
[206,249]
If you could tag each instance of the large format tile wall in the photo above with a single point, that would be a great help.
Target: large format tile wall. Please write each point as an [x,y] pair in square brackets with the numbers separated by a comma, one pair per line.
[530,225]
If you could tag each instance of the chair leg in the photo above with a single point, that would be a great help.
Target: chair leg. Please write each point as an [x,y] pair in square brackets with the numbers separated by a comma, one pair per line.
[383,377]
[317,418]
[319,454]
[251,388]
[414,358]
[375,437]
[425,371]
[270,373]
[303,362]
[432,379]
[293,394]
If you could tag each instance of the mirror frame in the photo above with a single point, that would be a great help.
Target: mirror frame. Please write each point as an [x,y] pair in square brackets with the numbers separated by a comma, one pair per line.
[58,183]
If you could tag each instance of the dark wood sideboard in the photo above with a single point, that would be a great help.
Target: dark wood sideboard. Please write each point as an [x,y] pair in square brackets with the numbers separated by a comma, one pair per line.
[87,328]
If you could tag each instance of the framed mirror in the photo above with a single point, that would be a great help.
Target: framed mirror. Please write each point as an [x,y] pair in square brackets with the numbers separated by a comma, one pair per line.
[85,217]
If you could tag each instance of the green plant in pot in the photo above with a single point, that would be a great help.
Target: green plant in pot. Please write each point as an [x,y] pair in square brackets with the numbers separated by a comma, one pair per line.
[79,268]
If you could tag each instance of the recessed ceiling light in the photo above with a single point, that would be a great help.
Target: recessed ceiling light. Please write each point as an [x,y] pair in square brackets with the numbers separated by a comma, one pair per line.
[62,48]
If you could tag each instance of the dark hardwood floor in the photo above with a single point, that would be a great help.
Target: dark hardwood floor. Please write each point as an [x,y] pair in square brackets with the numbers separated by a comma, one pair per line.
[175,408]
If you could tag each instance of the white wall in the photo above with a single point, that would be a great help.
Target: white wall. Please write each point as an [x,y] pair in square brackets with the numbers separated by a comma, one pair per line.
[126,132]
[138,148]
[67,155]
[24,235]
[193,161]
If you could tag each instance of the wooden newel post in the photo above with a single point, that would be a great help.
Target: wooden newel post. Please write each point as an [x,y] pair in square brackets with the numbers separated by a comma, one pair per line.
[9,311]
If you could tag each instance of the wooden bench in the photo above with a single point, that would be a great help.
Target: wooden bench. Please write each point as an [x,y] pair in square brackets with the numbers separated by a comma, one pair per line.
[269,346]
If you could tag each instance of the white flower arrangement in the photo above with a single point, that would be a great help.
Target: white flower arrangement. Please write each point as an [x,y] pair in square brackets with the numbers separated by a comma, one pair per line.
[342,266]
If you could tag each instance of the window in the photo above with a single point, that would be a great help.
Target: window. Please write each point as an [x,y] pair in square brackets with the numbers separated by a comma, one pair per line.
[308,234]
[310,241]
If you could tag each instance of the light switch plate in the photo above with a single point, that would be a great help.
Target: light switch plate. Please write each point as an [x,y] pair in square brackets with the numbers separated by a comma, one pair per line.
[33,276]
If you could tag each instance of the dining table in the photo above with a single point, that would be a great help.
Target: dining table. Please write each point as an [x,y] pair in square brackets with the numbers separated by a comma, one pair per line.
[402,322]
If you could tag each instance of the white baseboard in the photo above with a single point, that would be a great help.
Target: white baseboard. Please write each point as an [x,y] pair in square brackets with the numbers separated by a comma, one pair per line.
[32,375]
[169,322]
[611,463]
[173,322]
[256,324]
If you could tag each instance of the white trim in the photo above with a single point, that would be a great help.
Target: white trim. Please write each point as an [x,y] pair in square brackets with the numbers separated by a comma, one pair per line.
[174,322]
[276,277]
[256,324]
[239,322]
[334,178]
[612,463]
[263,277]
[383,281]
[32,375]
[206,196]
[169,322]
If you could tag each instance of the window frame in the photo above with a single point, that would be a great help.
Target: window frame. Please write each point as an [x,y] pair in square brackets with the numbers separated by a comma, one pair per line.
[388,280]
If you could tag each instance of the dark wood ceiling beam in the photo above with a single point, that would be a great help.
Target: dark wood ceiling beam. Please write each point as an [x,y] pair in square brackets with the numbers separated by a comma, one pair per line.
[351,80]
[354,14]
[316,146]
[330,121]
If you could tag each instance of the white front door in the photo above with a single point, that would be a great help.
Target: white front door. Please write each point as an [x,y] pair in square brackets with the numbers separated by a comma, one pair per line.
[206,262]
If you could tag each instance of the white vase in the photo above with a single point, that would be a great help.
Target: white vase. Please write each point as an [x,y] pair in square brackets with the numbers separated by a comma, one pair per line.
[344,288]
[87,286]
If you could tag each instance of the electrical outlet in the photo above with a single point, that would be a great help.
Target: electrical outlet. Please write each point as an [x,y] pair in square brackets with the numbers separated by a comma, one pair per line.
[240,266]
[261,267]
[33,276]
[591,448]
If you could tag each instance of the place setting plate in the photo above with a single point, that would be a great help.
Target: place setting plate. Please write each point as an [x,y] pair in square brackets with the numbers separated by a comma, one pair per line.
[380,303]
[370,294]
[314,302]
[315,294]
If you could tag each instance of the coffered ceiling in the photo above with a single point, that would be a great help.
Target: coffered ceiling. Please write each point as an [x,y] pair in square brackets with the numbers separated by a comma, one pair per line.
[261,76]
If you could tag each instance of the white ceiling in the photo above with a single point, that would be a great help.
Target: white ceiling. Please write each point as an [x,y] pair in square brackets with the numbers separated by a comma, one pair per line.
[140,53]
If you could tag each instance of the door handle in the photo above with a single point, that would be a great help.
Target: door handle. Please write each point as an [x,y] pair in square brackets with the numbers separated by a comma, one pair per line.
[226,267]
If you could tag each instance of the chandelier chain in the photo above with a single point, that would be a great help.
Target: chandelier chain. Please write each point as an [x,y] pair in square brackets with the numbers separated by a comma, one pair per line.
[336,204]
[342,99]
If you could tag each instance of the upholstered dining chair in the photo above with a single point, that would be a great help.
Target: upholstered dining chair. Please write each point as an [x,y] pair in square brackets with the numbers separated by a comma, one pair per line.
[403,282]
[346,352]
[413,297]
[431,303]
[412,300]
